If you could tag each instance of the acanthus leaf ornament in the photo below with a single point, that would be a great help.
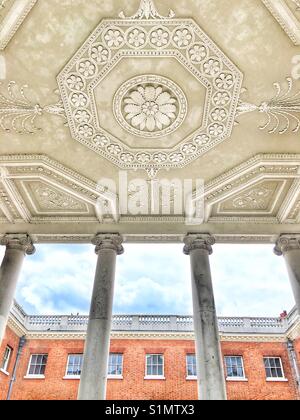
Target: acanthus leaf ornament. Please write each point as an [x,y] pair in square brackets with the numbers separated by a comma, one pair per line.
[282,112]
[18,113]
[147,10]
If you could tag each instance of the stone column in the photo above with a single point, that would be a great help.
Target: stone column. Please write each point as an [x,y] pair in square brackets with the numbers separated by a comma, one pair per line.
[289,247]
[211,380]
[17,246]
[95,363]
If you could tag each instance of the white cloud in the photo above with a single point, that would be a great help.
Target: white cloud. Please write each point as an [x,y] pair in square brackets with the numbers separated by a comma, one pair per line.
[248,280]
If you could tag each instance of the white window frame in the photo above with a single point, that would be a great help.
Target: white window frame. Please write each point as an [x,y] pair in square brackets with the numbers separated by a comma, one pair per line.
[190,377]
[29,376]
[122,366]
[279,379]
[4,368]
[155,377]
[235,378]
[72,377]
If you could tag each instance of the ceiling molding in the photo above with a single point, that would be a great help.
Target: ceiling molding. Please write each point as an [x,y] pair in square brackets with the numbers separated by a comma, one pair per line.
[286,18]
[12,19]
[38,190]
[264,189]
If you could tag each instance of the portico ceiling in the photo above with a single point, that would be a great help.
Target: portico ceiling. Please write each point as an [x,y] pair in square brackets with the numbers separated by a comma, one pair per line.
[208,90]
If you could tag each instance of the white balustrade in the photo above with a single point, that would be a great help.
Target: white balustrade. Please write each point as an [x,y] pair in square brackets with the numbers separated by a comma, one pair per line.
[153,323]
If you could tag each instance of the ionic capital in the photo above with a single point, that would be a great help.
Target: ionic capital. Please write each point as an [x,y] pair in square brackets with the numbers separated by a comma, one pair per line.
[198,241]
[286,243]
[108,241]
[18,241]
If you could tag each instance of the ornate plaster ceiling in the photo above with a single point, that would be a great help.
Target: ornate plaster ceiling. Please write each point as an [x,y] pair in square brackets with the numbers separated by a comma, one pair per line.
[178,94]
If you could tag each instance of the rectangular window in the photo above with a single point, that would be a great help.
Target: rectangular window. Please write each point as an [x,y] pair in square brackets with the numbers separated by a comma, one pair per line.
[191,366]
[37,365]
[74,365]
[115,365]
[234,367]
[6,358]
[273,367]
[154,365]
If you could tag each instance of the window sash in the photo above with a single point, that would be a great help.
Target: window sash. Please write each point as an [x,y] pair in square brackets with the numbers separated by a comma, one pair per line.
[115,364]
[234,367]
[154,365]
[191,365]
[6,358]
[74,366]
[37,365]
[274,368]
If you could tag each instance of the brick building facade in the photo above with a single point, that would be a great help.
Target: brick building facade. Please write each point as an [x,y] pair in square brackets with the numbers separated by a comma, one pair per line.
[151,357]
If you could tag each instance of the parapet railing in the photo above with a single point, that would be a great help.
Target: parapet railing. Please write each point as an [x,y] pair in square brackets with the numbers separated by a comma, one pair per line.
[166,323]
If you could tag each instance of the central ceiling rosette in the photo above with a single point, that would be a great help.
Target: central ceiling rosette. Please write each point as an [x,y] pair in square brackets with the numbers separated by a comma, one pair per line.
[150,106]
[150,92]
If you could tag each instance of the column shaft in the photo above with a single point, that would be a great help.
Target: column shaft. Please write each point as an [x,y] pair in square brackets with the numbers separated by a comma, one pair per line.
[94,372]
[292,259]
[211,381]
[289,247]
[16,248]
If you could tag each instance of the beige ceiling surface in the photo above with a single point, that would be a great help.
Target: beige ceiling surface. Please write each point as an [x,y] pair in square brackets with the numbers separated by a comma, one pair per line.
[157,94]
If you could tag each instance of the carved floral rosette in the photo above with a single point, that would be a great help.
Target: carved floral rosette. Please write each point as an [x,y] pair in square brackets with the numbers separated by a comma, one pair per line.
[181,39]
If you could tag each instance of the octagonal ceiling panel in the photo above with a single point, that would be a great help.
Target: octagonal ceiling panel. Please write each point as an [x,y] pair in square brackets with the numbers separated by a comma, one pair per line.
[150,92]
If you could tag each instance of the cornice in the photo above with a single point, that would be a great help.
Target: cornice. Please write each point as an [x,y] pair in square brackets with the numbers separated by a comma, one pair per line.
[294,331]
[185,336]
[16,327]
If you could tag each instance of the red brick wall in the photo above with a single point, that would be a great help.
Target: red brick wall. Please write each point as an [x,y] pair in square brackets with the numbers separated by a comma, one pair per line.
[11,340]
[257,388]
[134,386]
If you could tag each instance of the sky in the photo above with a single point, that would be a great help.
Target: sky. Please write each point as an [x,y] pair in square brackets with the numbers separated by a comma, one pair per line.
[249,280]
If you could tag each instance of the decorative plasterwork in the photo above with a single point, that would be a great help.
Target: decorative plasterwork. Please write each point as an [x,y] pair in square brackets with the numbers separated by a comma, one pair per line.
[286,17]
[150,106]
[148,121]
[265,189]
[147,10]
[11,18]
[36,189]
[18,113]
[147,35]
[282,112]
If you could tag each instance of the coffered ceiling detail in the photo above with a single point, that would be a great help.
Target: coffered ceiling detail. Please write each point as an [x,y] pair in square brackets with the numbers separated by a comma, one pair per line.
[287,13]
[35,189]
[12,15]
[264,189]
